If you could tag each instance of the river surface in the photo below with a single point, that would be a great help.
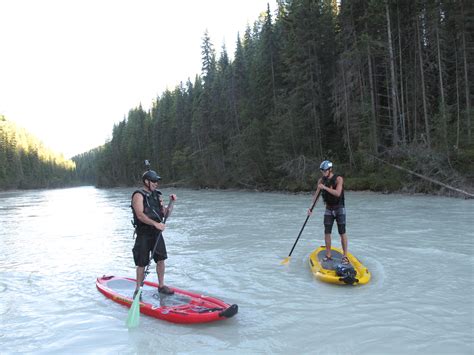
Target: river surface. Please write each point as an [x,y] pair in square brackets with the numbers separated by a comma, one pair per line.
[229,244]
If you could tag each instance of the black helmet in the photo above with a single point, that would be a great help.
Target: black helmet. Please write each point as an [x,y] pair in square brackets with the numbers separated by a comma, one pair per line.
[151,176]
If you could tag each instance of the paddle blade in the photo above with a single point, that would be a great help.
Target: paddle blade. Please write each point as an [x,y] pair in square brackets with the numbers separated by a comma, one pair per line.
[133,319]
[286,261]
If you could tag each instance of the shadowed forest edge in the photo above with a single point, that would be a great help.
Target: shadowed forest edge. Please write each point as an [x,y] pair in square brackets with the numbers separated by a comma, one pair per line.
[369,85]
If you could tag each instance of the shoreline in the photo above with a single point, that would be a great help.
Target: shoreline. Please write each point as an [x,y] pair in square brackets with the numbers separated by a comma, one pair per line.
[442,192]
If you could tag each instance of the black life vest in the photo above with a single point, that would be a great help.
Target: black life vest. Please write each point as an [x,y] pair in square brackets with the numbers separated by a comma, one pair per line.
[152,207]
[328,198]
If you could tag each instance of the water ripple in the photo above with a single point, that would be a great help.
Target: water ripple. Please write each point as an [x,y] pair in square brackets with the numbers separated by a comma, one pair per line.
[229,244]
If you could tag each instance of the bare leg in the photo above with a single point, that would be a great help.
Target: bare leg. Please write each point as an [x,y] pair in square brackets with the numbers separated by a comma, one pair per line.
[140,276]
[160,272]
[344,243]
[327,239]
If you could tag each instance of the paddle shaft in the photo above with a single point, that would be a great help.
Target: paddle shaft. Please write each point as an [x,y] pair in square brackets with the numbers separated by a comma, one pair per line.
[170,209]
[304,224]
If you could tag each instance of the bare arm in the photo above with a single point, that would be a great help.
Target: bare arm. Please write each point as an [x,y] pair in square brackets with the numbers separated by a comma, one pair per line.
[137,204]
[168,209]
[318,189]
[315,196]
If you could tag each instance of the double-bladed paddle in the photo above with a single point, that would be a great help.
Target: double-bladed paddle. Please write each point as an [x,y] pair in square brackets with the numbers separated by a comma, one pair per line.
[133,318]
[287,259]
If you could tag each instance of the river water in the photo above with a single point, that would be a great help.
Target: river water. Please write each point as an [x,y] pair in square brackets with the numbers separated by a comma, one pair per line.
[229,244]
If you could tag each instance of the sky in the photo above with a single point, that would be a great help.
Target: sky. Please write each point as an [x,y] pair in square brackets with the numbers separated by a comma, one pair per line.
[71,69]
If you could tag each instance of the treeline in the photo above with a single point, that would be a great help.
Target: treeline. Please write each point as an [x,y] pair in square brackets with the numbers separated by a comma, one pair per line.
[25,163]
[391,79]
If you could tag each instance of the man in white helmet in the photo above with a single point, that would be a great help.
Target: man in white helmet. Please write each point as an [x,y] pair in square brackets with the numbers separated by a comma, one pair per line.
[332,191]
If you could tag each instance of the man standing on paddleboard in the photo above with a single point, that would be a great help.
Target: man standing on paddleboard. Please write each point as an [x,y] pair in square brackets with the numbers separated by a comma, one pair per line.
[148,218]
[331,187]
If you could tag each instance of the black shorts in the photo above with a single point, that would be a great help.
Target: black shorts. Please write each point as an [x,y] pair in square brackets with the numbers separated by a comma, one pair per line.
[338,214]
[143,247]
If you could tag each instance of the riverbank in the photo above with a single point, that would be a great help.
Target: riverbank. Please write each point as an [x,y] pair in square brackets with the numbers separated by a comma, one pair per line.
[394,183]
[385,179]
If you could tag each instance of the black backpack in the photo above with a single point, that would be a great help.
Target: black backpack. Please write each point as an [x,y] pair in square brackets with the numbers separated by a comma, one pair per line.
[347,273]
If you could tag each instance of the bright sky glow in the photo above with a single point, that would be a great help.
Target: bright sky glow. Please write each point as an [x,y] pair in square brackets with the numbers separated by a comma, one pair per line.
[70,69]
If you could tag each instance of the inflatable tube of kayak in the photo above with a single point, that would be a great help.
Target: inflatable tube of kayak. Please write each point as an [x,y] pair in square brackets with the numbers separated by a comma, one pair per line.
[181,307]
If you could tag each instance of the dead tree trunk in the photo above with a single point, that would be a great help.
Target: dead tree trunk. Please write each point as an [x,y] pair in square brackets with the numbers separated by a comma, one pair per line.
[466,79]
[467,194]
[423,89]
[444,126]
[393,85]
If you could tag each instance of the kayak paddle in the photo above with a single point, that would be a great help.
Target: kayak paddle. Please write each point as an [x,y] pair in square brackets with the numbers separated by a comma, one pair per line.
[287,259]
[133,319]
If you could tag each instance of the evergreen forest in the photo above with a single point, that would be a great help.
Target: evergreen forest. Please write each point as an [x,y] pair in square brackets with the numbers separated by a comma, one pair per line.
[368,84]
[25,163]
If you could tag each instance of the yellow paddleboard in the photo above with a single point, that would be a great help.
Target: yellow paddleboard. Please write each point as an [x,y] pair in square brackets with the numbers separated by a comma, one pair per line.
[327,271]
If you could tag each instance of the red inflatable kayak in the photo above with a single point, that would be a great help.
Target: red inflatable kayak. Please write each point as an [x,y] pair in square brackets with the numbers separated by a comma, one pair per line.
[181,307]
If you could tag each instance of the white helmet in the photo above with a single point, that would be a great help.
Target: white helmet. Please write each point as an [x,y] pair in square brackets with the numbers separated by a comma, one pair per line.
[325,165]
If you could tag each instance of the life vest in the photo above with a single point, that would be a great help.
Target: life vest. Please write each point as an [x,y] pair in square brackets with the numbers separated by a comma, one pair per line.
[152,207]
[328,198]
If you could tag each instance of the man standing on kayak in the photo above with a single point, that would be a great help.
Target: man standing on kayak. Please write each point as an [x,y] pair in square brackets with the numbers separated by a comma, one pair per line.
[332,190]
[148,215]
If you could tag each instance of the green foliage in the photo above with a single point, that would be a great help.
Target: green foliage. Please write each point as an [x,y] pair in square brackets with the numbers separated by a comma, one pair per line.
[380,181]
[463,161]
[25,163]
[388,79]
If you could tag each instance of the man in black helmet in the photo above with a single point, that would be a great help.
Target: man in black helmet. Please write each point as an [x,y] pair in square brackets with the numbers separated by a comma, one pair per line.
[332,191]
[148,214]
